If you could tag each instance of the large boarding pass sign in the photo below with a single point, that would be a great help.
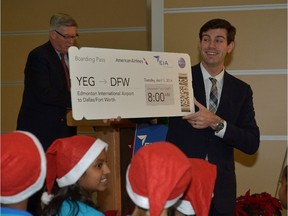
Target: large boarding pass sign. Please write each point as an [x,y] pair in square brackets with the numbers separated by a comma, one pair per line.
[107,83]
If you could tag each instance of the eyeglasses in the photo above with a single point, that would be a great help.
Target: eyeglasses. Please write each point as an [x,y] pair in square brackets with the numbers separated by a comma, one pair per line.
[67,36]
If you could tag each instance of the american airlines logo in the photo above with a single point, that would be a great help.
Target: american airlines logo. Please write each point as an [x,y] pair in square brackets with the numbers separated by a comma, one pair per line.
[131,60]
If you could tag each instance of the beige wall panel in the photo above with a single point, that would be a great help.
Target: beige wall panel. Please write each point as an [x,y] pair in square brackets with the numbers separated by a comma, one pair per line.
[209,3]
[261,41]
[11,98]
[256,46]
[181,34]
[270,102]
[15,50]
[35,15]
[260,172]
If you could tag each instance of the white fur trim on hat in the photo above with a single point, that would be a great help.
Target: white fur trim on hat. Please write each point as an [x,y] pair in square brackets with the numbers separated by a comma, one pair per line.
[37,185]
[46,198]
[142,201]
[185,207]
[77,171]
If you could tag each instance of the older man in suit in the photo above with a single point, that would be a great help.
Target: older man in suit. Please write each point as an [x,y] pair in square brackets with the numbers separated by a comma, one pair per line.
[224,117]
[46,96]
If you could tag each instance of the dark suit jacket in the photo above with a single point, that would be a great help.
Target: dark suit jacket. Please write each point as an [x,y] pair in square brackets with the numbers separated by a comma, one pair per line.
[242,132]
[46,97]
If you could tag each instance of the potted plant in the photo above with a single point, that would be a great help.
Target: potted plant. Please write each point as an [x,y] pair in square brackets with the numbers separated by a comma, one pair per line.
[262,204]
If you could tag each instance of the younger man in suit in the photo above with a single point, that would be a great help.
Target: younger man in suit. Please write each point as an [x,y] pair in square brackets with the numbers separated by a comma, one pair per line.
[225,123]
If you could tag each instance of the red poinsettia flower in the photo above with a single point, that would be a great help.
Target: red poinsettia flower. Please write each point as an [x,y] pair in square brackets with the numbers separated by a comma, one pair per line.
[257,204]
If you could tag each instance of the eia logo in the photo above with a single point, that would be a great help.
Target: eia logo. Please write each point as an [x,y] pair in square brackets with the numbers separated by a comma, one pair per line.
[161,61]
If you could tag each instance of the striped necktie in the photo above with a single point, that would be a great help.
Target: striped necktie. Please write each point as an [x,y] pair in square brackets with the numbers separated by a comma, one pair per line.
[66,70]
[213,101]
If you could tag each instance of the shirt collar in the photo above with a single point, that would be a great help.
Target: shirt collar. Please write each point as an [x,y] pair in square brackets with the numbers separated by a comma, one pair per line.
[206,75]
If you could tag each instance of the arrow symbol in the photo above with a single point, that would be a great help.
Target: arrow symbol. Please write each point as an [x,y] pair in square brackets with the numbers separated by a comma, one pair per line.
[104,81]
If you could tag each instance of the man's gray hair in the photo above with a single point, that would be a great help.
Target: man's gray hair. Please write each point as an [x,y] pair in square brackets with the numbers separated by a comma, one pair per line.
[62,19]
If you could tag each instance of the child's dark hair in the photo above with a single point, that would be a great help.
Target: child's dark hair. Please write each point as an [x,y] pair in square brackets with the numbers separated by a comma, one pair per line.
[71,194]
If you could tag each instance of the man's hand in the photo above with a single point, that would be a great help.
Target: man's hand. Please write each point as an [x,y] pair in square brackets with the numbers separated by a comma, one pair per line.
[202,118]
[112,120]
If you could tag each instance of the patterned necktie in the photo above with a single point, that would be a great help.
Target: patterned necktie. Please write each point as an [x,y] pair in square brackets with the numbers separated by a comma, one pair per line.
[213,101]
[66,70]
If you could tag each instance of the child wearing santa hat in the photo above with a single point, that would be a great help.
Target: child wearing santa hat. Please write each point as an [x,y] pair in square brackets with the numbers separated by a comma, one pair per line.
[23,171]
[78,165]
[197,199]
[157,177]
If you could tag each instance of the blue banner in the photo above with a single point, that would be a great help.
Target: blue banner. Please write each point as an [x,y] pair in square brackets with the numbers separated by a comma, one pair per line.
[147,133]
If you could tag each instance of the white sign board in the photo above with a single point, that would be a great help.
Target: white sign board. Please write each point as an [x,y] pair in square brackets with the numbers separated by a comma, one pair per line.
[107,83]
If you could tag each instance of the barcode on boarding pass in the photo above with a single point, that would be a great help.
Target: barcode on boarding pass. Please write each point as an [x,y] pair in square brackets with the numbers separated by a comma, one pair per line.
[184,92]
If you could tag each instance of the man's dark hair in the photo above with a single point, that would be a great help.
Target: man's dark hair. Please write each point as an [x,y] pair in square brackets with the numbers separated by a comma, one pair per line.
[216,24]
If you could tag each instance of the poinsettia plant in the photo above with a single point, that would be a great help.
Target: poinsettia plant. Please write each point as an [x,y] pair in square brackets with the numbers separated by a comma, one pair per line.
[262,204]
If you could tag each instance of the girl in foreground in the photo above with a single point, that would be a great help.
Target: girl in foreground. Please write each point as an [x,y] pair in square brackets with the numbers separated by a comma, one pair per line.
[78,165]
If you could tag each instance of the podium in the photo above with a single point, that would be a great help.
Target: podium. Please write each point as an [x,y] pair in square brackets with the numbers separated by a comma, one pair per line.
[119,136]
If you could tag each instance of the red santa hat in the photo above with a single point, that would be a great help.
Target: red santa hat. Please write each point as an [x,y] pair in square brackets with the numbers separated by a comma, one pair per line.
[158,176]
[68,159]
[23,166]
[197,199]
